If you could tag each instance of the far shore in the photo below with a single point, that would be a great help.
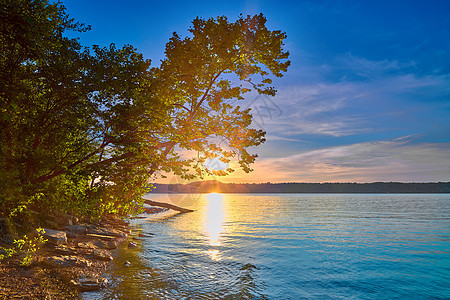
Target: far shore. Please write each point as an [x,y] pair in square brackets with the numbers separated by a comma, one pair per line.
[203,187]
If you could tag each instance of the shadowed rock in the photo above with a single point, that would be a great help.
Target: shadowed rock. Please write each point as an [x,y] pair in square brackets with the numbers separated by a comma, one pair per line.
[55,237]
[77,229]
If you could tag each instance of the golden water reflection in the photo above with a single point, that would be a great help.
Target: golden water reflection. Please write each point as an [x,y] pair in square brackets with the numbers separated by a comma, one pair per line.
[214,219]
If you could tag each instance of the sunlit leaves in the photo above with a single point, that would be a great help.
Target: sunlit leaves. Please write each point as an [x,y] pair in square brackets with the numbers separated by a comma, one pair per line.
[205,72]
[86,129]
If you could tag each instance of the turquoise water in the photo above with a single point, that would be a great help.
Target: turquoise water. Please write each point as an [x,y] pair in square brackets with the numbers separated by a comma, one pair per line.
[294,246]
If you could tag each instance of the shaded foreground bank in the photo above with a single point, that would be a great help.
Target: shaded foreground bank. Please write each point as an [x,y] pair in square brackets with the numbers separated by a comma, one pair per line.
[73,260]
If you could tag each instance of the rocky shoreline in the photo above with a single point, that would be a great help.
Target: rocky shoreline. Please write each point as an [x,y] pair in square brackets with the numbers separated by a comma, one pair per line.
[73,260]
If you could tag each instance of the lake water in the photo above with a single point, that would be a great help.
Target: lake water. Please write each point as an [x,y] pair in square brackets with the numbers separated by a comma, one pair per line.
[289,246]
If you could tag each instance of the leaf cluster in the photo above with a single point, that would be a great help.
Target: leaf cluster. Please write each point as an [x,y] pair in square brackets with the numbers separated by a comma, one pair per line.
[84,130]
[202,77]
[28,246]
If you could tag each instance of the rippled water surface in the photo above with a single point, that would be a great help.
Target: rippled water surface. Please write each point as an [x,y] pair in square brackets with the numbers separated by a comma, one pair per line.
[294,246]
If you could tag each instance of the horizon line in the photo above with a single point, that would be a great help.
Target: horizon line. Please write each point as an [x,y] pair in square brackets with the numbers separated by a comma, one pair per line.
[296,182]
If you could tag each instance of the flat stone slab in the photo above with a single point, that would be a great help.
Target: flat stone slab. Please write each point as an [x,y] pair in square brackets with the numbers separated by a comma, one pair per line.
[55,237]
[65,250]
[63,261]
[107,231]
[101,237]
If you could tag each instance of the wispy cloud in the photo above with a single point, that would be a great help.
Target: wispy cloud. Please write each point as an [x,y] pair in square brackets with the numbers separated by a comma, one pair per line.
[349,107]
[280,138]
[308,109]
[363,68]
[389,160]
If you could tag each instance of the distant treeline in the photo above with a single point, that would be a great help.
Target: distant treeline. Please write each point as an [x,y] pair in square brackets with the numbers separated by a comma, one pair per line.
[361,188]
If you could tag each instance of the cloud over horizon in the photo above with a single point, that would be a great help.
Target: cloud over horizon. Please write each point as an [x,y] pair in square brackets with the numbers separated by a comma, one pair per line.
[398,160]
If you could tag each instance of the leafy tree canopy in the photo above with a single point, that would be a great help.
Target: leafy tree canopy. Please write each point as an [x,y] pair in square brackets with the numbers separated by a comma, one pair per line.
[202,76]
[84,129]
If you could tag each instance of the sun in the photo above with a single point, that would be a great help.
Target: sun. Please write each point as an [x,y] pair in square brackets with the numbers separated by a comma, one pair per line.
[215,197]
[215,164]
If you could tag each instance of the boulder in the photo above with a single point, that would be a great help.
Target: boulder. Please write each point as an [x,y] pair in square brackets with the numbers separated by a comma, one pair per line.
[101,254]
[86,284]
[64,261]
[55,237]
[108,245]
[108,232]
[77,229]
[65,219]
[71,235]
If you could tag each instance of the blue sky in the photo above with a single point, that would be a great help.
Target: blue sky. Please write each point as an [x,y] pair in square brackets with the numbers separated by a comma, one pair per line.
[367,96]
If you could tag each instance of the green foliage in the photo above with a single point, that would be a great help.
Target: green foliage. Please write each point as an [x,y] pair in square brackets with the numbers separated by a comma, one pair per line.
[69,116]
[28,246]
[85,129]
[202,76]
[6,252]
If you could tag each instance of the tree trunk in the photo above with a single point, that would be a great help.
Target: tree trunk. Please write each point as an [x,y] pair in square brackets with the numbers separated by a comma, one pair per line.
[167,205]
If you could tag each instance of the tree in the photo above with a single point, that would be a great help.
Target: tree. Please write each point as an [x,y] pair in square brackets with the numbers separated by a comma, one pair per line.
[66,114]
[83,130]
[197,77]
[33,101]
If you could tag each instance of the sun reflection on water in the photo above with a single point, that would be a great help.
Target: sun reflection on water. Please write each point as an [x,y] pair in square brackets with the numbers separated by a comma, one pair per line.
[214,219]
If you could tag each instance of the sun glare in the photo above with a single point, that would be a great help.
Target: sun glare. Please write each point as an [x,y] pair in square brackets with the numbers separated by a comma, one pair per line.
[215,164]
[215,216]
